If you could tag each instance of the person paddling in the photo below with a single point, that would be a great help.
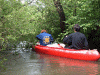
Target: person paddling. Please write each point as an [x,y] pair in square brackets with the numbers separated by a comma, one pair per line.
[77,39]
[44,38]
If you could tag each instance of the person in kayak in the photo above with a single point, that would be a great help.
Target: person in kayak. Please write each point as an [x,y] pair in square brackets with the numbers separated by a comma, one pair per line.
[44,38]
[76,40]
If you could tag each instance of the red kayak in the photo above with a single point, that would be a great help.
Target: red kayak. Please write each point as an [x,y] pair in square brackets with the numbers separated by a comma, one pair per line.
[91,55]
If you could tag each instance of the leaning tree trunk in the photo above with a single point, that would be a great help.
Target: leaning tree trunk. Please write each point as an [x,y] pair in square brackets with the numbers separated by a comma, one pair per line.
[61,14]
[74,12]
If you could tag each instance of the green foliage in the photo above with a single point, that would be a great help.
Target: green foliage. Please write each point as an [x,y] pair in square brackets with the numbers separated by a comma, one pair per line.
[1,63]
[87,15]
[23,23]
[20,22]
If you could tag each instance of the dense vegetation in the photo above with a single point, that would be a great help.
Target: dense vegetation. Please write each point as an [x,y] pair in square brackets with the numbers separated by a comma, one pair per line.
[22,22]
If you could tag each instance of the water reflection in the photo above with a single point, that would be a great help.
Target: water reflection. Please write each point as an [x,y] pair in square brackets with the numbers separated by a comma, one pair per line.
[32,63]
[26,63]
[56,65]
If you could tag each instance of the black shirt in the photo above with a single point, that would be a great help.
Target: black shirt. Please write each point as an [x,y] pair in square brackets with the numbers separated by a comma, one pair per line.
[77,41]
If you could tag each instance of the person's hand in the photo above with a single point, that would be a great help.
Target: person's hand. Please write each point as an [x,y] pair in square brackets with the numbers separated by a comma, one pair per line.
[65,36]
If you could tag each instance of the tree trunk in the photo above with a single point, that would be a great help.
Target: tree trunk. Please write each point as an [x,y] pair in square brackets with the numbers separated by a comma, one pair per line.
[61,14]
[74,12]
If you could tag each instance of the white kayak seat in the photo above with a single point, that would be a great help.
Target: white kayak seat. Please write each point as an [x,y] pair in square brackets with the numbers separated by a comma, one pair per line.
[56,45]
[37,43]
[63,45]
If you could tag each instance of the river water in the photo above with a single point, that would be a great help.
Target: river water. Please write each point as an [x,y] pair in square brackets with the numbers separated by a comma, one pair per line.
[28,62]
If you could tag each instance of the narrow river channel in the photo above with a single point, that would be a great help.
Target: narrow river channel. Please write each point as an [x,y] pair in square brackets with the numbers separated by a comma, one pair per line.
[28,62]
